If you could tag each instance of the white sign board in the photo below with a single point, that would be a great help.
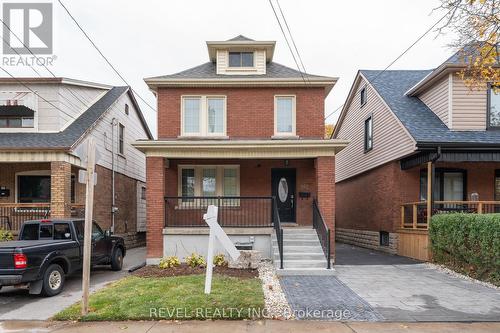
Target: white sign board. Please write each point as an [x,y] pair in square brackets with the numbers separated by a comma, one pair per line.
[216,232]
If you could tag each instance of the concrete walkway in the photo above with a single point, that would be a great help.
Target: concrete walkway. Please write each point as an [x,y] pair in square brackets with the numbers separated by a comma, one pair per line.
[374,286]
[246,326]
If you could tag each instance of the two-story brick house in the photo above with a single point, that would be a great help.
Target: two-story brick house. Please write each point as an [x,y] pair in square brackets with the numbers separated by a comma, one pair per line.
[43,124]
[404,125]
[236,132]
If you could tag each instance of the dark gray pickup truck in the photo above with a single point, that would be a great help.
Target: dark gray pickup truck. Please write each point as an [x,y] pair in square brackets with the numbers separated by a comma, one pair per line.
[48,250]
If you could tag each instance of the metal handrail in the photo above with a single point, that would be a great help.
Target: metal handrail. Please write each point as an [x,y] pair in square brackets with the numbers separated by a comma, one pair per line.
[278,229]
[323,232]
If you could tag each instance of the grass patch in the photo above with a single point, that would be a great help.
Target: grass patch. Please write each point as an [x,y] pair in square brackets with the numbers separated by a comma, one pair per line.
[178,297]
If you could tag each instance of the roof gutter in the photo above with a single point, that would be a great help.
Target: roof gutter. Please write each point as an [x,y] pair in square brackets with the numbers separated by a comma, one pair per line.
[457,146]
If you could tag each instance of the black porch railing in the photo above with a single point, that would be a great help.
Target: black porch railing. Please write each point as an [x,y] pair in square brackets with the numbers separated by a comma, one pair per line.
[234,212]
[278,229]
[12,215]
[323,232]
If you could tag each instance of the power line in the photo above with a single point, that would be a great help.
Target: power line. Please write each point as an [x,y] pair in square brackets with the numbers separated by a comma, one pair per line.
[334,111]
[402,54]
[287,42]
[103,56]
[291,37]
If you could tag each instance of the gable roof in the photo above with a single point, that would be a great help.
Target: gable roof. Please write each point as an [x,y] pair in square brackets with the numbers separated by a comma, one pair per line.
[72,134]
[240,38]
[422,124]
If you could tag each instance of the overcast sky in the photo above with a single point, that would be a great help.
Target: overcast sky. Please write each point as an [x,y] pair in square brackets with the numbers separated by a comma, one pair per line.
[149,38]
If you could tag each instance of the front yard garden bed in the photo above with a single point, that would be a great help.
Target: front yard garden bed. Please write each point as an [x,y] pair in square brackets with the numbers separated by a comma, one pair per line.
[184,269]
[173,298]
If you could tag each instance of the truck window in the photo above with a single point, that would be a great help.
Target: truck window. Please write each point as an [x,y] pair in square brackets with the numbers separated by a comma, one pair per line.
[62,231]
[46,231]
[79,227]
[30,232]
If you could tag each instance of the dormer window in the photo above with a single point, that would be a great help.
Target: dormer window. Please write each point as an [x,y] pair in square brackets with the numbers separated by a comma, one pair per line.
[241,59]
[494,107]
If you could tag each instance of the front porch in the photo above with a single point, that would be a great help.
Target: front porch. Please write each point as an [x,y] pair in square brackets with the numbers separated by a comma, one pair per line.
[459,183]
[260,186]
[39,190]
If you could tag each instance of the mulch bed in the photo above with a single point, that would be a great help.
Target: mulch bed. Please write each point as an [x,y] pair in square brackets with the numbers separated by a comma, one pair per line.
[183,269]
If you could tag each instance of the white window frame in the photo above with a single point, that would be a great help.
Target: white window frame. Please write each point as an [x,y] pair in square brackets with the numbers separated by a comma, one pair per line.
[294,116]
[203,118]
[198,175]
[241,68]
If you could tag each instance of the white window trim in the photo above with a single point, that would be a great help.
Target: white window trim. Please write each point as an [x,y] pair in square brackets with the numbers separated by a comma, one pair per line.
[236,69]
[294,116]
[198,174]
[203,118]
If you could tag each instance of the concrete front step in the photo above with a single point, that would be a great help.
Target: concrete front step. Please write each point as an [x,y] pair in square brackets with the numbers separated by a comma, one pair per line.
[296,264]
[299,249]
[305,271]
[300,256]
[299,243]
[299,232]
[297,237]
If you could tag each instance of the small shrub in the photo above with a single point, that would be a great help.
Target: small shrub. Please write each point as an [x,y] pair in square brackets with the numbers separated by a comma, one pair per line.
[6,235]
[220,260]
[169,262]
[196,260]
[468,242]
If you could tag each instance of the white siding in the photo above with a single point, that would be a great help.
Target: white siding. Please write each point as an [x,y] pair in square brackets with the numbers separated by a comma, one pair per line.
[133,162]
[74,100]
[390,140]
[468,107]
[141,208]
[437,99]
[223,63]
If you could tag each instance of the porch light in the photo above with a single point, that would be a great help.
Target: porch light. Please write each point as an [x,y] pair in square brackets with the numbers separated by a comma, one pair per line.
[287,162]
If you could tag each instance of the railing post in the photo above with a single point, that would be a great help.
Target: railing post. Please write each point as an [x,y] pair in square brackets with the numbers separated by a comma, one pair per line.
[280,244]
[479,207]
[415,215]
[402,216]
[328,265]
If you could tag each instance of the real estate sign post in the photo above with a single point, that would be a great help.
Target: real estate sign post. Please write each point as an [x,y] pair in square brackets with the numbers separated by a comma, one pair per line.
[216,232]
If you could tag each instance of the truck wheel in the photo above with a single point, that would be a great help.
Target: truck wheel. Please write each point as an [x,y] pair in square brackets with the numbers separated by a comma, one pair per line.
[117,260]
[53,280]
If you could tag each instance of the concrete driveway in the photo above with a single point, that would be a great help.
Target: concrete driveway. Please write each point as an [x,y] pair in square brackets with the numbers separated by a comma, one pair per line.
[374,286]
[17,304]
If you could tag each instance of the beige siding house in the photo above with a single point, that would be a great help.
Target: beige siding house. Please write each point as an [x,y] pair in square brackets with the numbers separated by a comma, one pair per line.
[421,143]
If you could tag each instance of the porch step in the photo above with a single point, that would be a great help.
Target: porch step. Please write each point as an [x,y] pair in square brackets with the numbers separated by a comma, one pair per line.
[302,252]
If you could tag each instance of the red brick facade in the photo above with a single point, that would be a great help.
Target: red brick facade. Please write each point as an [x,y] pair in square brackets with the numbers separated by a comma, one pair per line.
[155,213]
[325,178]
[371,201]
[250,111]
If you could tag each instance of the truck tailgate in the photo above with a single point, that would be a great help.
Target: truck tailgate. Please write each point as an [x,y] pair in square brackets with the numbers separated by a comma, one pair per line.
[7,249]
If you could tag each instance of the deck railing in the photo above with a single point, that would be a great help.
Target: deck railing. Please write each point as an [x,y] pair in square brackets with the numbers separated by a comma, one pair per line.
[414,214]
[233,211]
[323,232]
[12,215]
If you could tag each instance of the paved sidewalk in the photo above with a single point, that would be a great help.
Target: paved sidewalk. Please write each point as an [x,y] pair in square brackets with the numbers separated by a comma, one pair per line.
[245,326]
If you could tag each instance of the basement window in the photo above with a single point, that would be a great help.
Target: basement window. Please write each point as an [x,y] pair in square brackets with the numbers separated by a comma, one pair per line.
[384,238]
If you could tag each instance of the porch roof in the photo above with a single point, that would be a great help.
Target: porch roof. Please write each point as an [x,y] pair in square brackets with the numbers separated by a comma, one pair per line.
[244,149]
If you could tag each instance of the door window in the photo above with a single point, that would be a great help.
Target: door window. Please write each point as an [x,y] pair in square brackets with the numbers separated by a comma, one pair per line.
[97,233]
[497,185]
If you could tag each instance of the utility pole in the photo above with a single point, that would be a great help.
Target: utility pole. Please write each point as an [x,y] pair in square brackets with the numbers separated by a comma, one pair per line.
[87,239]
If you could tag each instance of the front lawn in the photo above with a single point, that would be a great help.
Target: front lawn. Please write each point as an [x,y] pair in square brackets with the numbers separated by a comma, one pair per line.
[178,297]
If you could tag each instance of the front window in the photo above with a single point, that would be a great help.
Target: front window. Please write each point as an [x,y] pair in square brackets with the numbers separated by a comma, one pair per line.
[494,106]
[36,188]
[241,59]
[449,185]
[17,122]
[203,116]
[208,181]
[368,134]
[284,115]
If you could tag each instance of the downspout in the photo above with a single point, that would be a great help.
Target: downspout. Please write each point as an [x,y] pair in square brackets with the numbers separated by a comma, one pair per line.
[113,207]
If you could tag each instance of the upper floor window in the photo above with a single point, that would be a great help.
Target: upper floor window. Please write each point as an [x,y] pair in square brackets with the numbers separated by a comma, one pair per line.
[121,138]
[203,116]
[241,59]
[284,115]
[494,106]
[368,134]
[362,96]
[126,109]
[17,122]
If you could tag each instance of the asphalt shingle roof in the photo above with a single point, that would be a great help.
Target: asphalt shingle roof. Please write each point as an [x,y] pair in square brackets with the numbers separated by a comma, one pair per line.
[423,124]
[16,110]
[240,38]
[66,138]
[208,71]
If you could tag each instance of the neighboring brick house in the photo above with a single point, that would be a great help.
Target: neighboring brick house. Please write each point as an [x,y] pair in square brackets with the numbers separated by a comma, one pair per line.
[42,127]
[403,125]
[236,132]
